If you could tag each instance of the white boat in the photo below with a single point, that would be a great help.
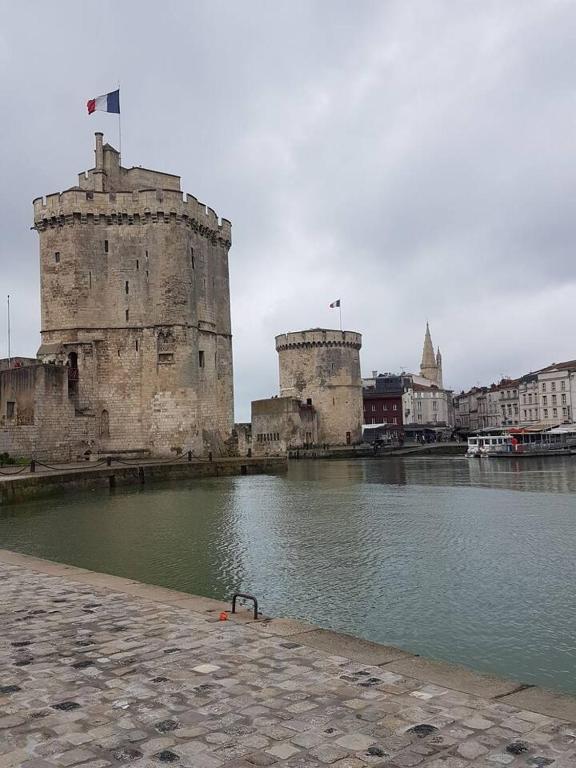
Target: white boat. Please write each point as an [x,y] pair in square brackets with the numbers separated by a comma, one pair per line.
[524,441]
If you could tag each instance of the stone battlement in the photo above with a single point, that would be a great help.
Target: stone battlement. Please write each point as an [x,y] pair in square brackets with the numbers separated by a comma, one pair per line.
[318,337]
[140,207]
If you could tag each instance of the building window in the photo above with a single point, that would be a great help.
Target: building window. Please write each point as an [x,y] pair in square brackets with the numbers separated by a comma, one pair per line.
[564,412]
[563,386]
[544,387]
[126,287]
[554,397]
[104,424]
[394,407]
[127,315]
[525,414]
[555,412]
[308,401]
[200,358]
[563,398]
[192,258]
[373,407]
[544,399]
[166,358]
[90,280]
[105,246]
[136,345]
[545,413]
[137,264]
[553,385]
[524,399]
[529,399]
[57,257]
[10,409]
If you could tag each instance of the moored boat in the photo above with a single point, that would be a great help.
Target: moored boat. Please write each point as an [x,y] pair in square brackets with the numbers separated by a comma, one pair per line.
[523,441]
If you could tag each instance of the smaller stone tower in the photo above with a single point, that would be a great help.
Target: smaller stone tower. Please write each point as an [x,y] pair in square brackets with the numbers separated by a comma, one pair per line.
[322,368]
[439,369]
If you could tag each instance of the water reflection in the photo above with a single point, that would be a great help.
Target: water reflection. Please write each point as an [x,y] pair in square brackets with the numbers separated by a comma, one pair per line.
[471,561]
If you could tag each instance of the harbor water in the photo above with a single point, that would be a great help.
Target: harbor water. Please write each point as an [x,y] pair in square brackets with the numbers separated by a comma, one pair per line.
[471,561]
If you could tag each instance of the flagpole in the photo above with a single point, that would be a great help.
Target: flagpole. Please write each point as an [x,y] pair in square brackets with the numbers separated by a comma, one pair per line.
[340,308]
[9,347]
[119,126]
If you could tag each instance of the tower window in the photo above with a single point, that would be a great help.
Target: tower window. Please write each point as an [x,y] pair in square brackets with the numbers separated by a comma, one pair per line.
[136,345]
[57,257]
[147,274]
[127,315]
[105,246]
[10,409]
[137,264]
[200,358]
[192,258]
[309,401]
[126,287]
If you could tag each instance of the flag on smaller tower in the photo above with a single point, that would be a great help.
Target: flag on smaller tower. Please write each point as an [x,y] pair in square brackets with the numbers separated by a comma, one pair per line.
[109,102]
[335,304]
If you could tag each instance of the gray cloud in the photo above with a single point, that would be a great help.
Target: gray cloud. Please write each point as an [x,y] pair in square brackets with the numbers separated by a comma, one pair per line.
[414,159]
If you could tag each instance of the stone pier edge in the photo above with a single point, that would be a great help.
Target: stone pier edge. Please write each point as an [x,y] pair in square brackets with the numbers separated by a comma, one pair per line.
[455,677]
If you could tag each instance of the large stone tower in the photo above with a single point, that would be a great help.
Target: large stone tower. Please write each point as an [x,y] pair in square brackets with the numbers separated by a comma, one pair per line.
[136,303]
[322,368]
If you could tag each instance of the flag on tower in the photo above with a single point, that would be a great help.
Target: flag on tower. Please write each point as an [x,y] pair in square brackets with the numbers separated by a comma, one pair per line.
[109,102]
[335,304]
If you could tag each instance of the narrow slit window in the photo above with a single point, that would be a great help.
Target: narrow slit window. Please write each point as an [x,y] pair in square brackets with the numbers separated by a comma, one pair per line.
[126,287]
[57,257]
[89,279]
[105,246]
[200,358]
[192,258]
[127,315]
[137,264]
[136,345]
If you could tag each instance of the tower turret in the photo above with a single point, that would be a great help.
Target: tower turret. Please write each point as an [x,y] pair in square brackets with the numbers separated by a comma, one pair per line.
[439,380]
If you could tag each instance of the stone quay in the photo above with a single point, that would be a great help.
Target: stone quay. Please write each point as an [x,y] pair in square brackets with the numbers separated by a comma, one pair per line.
[98,671]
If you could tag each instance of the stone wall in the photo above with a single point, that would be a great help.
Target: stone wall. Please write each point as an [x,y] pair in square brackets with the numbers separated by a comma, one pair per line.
[280,424]
[322,368]
[43,422]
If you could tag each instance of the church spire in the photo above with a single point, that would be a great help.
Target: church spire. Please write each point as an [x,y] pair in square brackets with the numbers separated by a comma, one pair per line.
[439,368]
[429,366]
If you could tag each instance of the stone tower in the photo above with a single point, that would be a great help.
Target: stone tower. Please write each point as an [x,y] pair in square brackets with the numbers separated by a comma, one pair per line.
[429,364]
[136,303]
[439,380]
[322,368]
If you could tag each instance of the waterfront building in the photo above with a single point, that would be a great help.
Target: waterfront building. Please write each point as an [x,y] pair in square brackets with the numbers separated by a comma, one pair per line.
[545,398]
[136,352]
[320,390]
[426,403]
[382,403]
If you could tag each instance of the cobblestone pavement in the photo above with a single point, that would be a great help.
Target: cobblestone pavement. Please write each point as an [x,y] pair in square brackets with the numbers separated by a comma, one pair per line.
[94,677]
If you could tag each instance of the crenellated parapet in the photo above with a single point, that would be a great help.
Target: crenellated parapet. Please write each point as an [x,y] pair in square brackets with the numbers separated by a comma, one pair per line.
[148,206]
[318,337]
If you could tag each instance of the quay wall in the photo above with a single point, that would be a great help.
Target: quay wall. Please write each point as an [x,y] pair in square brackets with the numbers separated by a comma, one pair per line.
[29,486]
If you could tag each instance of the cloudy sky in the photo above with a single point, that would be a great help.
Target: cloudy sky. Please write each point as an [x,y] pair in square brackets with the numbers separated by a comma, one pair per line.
[415,158]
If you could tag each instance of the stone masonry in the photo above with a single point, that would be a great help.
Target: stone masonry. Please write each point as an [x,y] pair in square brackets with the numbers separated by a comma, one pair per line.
[135,305]
[322,368]
[98,671]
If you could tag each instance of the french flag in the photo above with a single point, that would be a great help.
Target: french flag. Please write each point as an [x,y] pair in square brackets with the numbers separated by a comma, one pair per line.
[109,102]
